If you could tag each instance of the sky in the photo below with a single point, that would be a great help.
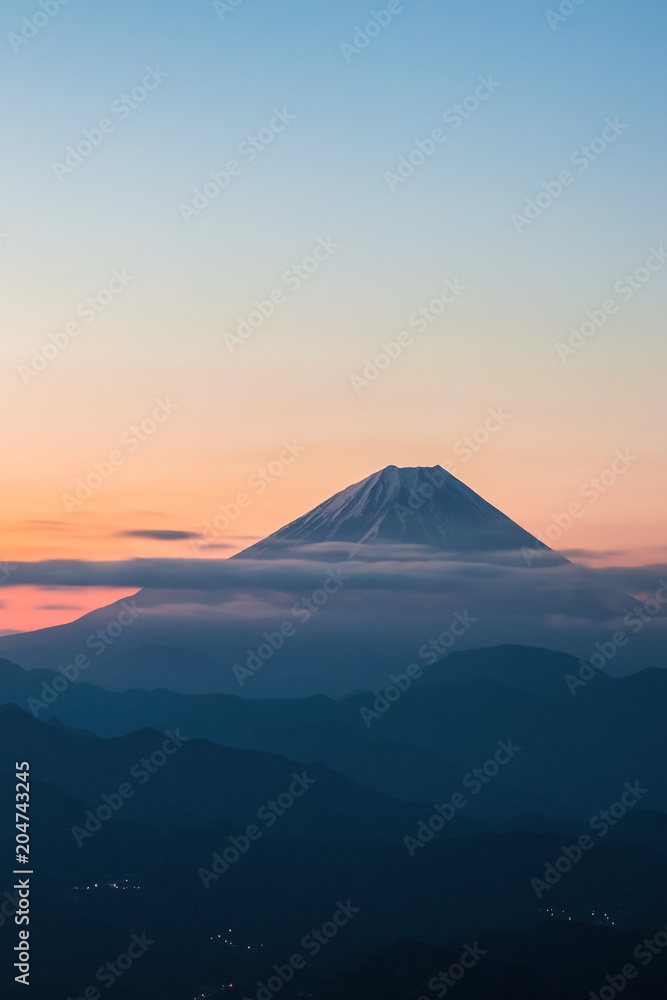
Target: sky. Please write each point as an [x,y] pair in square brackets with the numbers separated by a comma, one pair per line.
[177,340]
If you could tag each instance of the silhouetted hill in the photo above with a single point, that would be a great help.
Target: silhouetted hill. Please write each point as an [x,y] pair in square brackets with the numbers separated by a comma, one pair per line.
[201,783]
[339,841]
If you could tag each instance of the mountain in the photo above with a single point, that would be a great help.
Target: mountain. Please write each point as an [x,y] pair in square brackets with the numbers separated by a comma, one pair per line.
[410,506]
[420,748]
[524,668]
[339,845]
[414,553]
[430,558]
[202,783]
[555,961]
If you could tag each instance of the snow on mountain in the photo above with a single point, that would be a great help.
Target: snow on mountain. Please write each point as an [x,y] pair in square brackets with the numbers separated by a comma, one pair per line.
[416,506]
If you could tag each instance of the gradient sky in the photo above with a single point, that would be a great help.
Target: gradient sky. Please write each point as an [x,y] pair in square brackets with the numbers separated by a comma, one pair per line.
[324,177]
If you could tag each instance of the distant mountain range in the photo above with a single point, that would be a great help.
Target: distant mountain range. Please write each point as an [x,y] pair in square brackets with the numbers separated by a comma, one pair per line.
[575,753]
[116,812]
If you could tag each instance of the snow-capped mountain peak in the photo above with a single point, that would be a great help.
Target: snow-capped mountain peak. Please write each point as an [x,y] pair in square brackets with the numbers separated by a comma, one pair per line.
[418,506]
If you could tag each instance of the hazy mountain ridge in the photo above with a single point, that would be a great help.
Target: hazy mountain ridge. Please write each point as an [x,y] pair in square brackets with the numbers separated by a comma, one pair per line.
[419,747]
[454,889]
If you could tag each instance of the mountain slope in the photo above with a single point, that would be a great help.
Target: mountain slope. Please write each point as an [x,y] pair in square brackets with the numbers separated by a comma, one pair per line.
[415,506]
[572,760]
[195,781]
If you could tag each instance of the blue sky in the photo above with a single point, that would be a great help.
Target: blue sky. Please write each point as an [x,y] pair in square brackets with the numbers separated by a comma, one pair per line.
[353,121]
